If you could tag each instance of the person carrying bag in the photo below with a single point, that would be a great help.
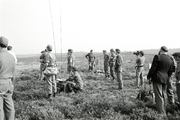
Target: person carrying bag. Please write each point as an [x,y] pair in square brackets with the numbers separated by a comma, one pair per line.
[50,72]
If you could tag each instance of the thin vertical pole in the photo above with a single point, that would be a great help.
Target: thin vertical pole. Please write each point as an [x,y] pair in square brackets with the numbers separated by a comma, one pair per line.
[52,27]
[61,34]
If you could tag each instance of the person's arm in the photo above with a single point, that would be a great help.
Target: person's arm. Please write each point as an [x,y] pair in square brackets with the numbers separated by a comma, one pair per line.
[14,76]
[153,67]
[87,56]
[119,60]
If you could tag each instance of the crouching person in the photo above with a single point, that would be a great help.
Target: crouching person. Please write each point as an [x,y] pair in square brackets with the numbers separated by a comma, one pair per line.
[74,82]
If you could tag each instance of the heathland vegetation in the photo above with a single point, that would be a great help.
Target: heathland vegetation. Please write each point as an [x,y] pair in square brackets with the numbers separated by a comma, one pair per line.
[100,99]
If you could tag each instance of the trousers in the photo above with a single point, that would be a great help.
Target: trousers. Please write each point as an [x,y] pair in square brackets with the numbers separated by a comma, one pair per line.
[119,79]
[7,110]
[51,84]
[139,77]
[112,71]
[170,92]
[159,91]
[178,91]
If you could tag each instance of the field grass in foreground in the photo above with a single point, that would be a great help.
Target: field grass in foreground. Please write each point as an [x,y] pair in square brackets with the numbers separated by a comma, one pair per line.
[100,99]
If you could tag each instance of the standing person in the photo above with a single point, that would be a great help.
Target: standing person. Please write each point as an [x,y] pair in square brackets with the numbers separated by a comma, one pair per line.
[70,60]
[7,76]
[91,59]
[42,63]
[50,61]
[177,74]
[140,69]
[106,64]
[159,74]
[118,68]
[170,92]
[9,48]
[112,61]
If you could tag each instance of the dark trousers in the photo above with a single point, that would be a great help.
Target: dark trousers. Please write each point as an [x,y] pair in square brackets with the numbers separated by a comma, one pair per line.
[159,91]
[112,72]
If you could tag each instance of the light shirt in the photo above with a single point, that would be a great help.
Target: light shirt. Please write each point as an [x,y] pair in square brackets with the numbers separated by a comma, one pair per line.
[13,56]
[7,64]
[140,61]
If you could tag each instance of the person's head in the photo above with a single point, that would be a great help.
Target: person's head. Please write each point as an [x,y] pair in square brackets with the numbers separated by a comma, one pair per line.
[163,50]
[141,53]
[176,56]
[112,51]
[118,51]
[104,51]
[9,48]
[49,48]
[70,51]
[136,53]
[3,42]
[91,51]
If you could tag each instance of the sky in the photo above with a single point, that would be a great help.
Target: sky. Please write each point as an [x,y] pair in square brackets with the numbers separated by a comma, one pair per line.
[83,25]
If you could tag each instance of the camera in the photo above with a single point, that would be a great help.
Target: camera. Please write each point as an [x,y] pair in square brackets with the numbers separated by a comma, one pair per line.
[136,53]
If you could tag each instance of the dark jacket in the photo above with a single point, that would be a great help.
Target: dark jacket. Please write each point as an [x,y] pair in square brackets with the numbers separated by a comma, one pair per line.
[161,69]
[118,63]
[91,57]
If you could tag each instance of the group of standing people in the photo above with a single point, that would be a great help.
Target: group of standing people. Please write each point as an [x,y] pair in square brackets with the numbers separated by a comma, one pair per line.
[160,73]
[113,63]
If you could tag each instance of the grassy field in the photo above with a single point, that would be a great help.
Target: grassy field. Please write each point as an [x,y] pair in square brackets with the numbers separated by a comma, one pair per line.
[100,100]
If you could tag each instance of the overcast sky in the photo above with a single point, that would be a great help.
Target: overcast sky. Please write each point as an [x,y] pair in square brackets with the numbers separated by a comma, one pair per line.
[90,24]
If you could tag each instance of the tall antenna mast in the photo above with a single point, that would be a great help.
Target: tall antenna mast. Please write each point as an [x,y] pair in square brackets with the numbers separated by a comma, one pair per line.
[52,27]
[61,33]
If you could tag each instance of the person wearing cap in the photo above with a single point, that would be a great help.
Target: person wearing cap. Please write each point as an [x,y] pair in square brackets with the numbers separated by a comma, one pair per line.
[159,73]
[70,60]
[9,48]
[112,61]
[170,91]
[106,64]
[140,69]
[177,74]
[118,68]
[74,82]
[91,59]
[50,61]
[42,62]
[7,78]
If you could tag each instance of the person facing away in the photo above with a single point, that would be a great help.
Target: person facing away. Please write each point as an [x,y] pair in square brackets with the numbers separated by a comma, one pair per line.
[176,56]
[70,60]
[106,64]
[118,68]
[170,91]
[91,59]
[74,82]
[112,61]
[140,69]
[50,61]
[7,76]
[42,63]
[9,48]
[159,74]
